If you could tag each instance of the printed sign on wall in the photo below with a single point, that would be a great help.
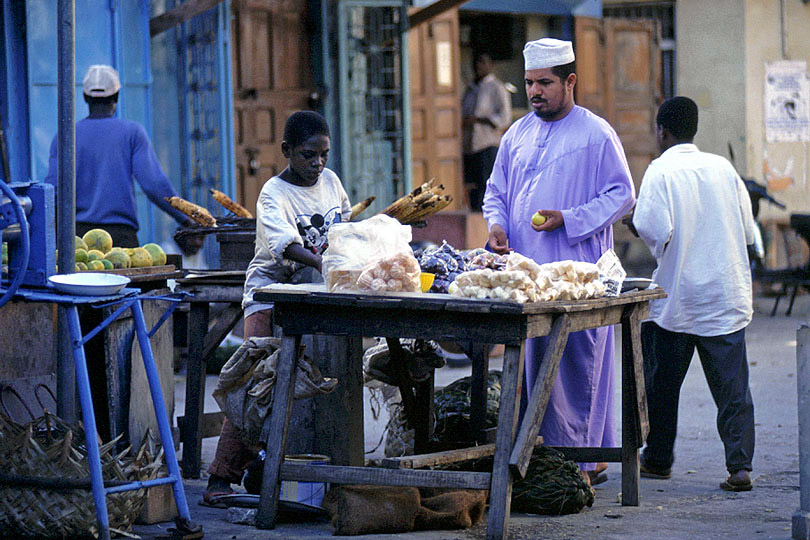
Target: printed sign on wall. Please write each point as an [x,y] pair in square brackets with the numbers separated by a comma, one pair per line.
[787,102]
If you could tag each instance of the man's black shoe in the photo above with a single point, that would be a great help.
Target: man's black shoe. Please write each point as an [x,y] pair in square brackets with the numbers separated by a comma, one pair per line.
[648,471]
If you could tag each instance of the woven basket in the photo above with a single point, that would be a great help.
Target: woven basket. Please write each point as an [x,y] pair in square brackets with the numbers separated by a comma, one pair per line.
[49,448]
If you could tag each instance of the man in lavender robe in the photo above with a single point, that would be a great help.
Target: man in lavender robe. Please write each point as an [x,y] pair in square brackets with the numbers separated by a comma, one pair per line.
[568,164]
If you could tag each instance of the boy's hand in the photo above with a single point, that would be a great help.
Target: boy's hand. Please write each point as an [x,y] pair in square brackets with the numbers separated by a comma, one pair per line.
[498,241]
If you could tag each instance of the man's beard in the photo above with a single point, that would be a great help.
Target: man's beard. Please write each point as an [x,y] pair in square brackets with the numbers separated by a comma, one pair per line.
[548,114]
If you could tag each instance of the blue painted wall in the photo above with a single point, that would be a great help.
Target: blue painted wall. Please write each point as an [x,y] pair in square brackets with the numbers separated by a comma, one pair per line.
[114,32]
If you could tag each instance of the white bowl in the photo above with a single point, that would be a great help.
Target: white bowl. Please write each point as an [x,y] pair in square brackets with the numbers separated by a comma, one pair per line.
[89,283]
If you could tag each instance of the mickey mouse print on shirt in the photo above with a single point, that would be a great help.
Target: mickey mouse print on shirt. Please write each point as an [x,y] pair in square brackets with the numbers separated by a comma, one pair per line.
[313,229]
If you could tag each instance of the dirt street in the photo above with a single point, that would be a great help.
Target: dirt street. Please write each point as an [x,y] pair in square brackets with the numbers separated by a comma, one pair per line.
[689,505]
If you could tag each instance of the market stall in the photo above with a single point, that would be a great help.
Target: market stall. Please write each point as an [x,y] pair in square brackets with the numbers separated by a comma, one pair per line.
[445,317]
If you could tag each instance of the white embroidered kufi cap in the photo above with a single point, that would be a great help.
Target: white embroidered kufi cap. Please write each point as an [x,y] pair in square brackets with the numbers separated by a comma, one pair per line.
[101,81]
[547,53]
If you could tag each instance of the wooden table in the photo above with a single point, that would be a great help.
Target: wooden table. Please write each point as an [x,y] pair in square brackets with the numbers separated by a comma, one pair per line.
[444,317]
[203,339]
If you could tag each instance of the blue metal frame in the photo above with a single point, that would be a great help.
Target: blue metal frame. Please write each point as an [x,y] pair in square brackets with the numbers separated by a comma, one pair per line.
[14,90]
[130,299]
[225,89]
[343,66]
[588,8]
[324,78]
[88,416]
[406,104]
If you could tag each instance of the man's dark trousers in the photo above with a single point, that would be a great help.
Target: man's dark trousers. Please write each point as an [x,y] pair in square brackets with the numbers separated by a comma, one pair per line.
[666,359]
[477,169]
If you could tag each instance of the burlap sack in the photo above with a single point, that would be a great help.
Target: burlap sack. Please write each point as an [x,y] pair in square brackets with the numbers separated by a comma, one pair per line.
[382,509]
[372,509]
[245,387]
[453,509]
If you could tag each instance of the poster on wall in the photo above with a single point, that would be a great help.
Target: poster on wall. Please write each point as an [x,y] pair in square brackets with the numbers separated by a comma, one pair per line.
[787,101]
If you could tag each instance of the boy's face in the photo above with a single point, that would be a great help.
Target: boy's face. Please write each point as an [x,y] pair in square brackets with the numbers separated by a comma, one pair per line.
[309,158]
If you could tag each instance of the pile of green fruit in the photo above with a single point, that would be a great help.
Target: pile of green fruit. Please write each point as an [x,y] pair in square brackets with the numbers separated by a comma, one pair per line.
[95,251]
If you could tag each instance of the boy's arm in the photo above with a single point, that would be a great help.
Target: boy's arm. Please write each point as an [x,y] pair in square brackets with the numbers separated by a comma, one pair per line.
[296,252]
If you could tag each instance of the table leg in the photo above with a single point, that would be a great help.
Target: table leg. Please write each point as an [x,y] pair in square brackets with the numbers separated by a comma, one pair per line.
[410,397]
[339,429]
[500,495]
[161,415]
[425,404]
[89,419]
[479,356]
[541,392]
[195,389]
[277,436]
[634,406]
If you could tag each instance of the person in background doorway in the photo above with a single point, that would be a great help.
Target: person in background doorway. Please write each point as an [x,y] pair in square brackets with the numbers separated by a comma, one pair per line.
[694,214]
[110,152]
[486,112]
[568,164]
[293,215]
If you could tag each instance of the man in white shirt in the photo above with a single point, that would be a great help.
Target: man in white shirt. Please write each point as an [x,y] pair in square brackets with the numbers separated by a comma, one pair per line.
[694,214]
[486,112]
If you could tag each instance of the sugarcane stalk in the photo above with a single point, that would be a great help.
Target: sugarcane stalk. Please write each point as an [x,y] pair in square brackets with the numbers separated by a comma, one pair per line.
[396,207]
[361,206]
[443,202]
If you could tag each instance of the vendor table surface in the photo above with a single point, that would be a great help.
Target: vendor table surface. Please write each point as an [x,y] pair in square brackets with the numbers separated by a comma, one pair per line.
[310,309]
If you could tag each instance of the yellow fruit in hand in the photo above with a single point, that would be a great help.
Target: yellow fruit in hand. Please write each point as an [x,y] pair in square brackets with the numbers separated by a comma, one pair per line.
[538,219]
[98,239]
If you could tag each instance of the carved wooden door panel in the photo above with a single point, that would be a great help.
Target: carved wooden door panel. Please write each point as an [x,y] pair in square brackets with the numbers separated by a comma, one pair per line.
[619,78]
[434,56]
[272,78]
[634,83]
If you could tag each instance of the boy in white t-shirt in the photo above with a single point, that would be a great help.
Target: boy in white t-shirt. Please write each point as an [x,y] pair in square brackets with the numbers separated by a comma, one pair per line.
[293,214]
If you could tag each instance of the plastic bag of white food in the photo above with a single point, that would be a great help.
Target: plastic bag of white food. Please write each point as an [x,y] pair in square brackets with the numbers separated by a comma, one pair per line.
[371,255]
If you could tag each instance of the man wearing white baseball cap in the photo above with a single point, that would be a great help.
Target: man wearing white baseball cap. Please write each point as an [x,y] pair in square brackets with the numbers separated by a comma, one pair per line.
[567,164]
[110,152]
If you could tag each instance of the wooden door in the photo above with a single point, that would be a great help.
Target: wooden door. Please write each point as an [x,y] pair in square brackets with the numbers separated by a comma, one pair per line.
[634,84]
[272,71]
[589,38]
[619,78]
[435,77]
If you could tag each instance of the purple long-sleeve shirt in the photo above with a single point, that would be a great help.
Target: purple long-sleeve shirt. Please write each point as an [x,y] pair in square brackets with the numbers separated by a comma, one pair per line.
[110,152]
[575,165]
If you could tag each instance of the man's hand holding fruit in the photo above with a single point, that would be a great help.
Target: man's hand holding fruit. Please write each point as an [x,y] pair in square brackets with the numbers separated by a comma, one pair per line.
[547,220]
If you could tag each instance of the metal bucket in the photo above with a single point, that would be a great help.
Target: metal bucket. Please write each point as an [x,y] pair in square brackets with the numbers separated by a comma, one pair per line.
[310,493]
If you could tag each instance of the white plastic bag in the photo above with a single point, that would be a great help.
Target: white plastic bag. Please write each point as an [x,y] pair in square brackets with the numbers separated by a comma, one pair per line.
[611,272]
[371,255]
